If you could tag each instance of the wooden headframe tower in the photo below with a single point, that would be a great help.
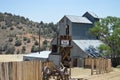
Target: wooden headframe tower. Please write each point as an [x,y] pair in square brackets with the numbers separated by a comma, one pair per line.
[65,48]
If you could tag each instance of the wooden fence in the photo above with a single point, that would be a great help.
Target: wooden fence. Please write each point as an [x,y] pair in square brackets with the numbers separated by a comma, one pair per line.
[32,70]
[98,65]
[25,70]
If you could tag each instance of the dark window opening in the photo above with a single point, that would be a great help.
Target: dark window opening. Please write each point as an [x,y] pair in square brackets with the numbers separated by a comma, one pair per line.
[54,48]
[75,63]
[27,60]
[67,29]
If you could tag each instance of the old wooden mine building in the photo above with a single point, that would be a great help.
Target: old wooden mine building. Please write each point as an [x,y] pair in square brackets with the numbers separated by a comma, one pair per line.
[74,42]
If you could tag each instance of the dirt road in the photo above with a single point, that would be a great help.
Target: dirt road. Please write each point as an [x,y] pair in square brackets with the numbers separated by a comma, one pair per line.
[85,74]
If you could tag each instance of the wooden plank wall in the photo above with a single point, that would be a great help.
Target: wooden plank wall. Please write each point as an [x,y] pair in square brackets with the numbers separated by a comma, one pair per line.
[25,70]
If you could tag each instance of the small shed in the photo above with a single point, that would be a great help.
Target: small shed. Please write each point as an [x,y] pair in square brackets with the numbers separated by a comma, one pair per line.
[43,56]
[83,49]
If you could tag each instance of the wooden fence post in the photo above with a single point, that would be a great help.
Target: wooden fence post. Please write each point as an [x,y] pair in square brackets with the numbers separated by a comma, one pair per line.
[97,66]
[92,66]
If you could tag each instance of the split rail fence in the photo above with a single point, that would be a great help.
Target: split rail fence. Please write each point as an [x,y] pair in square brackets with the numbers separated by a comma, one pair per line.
[98,65]
[24,70]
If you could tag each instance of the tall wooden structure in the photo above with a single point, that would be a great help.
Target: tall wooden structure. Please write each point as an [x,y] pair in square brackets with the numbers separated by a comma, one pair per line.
[65,48]
[84,44]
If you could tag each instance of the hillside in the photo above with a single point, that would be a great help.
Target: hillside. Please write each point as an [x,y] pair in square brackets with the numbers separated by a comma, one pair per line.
[19,35]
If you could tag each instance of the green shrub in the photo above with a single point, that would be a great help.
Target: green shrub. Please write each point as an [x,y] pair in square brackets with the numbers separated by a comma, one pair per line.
[34,49]
[3,27]
[19,27]
[45,42]
[10,39]
[25,38]
[1,48]
[12,34]
[23,49]
[28,40]
[18,43]
[16,37]
[18,51]
[10,50]
[4,46]
[36,42]
[11,28]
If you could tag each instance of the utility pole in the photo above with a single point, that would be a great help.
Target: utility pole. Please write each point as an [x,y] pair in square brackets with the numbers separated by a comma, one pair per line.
[39,39]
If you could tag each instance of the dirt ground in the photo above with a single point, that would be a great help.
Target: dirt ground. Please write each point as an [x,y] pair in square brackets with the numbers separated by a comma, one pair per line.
[85,74]
[9,58]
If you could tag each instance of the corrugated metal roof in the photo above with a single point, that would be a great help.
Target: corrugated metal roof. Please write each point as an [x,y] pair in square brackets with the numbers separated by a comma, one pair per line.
[43,54]
[93,14]
[89,46]
[54,41]
[78,19]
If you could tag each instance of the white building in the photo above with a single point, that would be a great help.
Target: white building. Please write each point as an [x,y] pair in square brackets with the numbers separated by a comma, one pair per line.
[43,56]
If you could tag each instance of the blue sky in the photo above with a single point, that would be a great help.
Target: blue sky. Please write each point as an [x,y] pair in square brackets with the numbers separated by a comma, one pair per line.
[54,10]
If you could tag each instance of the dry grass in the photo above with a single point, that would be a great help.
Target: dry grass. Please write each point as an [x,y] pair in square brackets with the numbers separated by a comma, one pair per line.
[32,38]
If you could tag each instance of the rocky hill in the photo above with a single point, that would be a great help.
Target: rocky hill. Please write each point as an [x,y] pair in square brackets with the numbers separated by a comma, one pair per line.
[19,35]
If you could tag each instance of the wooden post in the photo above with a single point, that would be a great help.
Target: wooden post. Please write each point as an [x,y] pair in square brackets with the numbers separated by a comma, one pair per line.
[92,66]
[100,65]
[97,66]
[70,68]
[104,60]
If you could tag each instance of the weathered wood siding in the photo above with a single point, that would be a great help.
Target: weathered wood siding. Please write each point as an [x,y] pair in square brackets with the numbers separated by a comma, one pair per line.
[25,70]
[98,65]
[81,31]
